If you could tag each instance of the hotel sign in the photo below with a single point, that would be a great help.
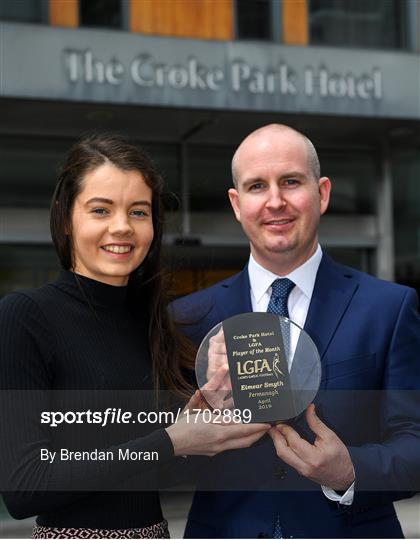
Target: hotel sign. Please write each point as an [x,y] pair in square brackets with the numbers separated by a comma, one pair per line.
[147,71]
[120,67]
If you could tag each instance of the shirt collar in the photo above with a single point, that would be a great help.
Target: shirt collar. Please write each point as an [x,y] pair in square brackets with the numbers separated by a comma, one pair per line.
[304,276]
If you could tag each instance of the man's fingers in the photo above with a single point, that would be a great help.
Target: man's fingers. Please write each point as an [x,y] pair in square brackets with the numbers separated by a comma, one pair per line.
[284,451]
[303,449]
[316,424]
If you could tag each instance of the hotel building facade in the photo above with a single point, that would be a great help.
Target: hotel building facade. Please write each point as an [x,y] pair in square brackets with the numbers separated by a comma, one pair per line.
[188,79]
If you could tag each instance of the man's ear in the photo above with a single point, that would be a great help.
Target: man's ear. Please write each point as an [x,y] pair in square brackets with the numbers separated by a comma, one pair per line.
[324,194]
[234,201]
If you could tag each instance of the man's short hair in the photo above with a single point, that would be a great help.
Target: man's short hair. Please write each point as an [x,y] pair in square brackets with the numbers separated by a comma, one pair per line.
[313,159]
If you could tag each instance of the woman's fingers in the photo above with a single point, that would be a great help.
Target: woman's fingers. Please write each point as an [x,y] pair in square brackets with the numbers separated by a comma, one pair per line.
[216,354]
[243,442]
[218,388]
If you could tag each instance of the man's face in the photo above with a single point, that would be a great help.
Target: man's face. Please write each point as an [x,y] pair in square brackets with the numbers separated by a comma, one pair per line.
[277,200]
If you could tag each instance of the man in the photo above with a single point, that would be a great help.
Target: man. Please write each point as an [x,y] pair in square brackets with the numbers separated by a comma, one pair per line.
[335,471]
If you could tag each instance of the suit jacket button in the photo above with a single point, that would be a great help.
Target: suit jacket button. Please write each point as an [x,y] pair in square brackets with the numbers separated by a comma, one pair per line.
[280,472]
[262,535]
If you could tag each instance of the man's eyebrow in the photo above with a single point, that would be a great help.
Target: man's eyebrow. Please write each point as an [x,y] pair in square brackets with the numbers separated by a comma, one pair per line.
[102,200]
[291,174]
[252,181]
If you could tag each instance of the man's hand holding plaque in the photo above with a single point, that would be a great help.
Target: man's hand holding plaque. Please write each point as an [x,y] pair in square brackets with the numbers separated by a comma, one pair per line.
[326,460]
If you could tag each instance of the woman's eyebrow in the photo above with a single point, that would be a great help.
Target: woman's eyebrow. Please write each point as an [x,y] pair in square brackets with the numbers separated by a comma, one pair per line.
[99,200]
[109,201]
[143,203]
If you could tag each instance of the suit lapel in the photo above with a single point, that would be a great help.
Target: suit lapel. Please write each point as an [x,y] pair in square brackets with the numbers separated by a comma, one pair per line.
[234,298]
[334,288]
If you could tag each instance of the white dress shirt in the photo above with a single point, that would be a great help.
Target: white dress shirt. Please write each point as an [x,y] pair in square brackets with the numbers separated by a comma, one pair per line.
[260,280]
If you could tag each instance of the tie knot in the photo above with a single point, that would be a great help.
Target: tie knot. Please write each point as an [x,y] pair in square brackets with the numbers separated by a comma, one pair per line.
[282,287]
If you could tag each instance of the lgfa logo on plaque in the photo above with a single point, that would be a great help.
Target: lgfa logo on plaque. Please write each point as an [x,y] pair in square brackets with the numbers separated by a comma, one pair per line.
[259,366]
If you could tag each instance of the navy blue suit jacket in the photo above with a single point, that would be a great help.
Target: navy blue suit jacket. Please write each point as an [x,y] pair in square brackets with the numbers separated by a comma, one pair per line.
[368,334]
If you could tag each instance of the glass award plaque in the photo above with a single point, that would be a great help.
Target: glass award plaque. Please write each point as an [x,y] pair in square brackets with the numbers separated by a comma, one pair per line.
[260,363]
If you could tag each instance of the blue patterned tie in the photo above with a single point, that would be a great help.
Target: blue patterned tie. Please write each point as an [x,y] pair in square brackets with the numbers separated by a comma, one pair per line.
[277,533]
[280,290]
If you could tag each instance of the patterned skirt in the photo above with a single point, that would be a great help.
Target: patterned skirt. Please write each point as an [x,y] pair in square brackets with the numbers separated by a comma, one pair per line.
[158,530]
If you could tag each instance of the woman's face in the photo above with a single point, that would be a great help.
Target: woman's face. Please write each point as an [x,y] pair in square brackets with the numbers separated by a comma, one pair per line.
[112,225]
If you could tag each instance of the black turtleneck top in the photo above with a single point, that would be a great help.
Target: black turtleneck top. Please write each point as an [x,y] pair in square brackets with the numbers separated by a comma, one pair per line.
[77,338]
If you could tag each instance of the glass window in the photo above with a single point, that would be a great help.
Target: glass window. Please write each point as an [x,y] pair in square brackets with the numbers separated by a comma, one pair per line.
[28,170]
[31,11]
[210,177]
[253,19]
[353,178]
[358,23]
[100,13]
[406,175]
[166,159]
[361,258]
[15,271]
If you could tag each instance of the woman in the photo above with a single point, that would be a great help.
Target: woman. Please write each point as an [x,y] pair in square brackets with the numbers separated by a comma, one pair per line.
[102,326]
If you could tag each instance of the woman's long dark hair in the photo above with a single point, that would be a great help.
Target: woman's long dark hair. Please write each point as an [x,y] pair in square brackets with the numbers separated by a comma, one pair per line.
[171,352]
